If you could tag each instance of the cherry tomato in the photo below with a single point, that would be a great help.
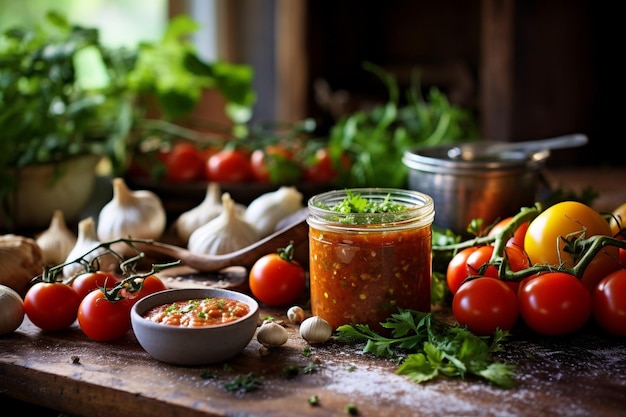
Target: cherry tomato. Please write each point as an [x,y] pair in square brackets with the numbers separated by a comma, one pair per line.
[544,242]
[228,165]
[276,279]
[322,168]
[86,282]
[51,306]
[518,236]
[184,163]
[554,304]
[457,271]
[150,285]
[484,304]
[622,257]
[515,256]
[609,303]
[274,164]
[101,319]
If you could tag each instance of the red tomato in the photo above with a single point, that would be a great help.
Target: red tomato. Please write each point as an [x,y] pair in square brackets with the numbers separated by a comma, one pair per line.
[457,272]
[51,305]
[150,285]
[86,282]
[322,168]
[277,280]
[184,163]
[544,240]
[484,304]
[622,257]
[609,303]
[101,319]
[515,256]
[274,164]
[228,165]
[518,236]
[554,304]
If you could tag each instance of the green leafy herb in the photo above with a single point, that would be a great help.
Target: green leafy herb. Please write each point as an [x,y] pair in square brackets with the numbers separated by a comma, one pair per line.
[377,138]
[246,383]
[356,209]
[434,348]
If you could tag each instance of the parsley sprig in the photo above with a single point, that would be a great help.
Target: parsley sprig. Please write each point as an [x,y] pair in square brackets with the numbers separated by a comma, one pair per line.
[434,348]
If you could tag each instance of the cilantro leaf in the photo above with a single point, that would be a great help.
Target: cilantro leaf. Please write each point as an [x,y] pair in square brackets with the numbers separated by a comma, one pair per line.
[434,348]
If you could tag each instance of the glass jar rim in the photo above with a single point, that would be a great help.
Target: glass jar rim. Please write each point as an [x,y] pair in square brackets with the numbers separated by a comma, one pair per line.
[420,210]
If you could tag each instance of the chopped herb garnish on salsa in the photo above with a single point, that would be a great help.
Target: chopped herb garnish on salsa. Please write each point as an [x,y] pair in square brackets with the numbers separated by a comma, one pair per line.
[356,203]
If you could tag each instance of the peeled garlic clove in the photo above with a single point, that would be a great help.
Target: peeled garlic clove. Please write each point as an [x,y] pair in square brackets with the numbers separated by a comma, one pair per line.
[271,334]
[295,314]
[315,330]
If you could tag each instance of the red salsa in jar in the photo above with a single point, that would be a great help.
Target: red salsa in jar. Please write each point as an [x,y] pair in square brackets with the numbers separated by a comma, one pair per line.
[366,265]
[198,312]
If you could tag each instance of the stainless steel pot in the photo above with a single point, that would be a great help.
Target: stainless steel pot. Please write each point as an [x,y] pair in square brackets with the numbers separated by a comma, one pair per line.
[491,187]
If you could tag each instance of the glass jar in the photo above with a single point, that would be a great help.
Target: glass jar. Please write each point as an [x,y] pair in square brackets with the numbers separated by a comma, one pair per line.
[364,266]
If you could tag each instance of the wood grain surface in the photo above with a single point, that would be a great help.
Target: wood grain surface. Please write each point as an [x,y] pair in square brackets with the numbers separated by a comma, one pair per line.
[581,375]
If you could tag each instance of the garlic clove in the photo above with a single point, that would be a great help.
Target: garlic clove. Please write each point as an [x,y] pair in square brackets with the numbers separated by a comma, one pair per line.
[271,334]
[295,314]
[315,330]
[57,240]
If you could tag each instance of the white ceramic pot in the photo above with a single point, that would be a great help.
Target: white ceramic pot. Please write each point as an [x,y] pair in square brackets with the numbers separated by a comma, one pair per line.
[41,189]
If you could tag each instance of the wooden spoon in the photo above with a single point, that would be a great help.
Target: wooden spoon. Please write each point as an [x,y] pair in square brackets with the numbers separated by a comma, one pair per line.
[295,230]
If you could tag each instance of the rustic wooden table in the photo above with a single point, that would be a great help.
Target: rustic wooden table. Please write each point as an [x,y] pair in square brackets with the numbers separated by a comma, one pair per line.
[579,375]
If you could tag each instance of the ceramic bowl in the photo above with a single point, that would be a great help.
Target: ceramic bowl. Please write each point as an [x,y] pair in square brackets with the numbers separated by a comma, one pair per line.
[193,346]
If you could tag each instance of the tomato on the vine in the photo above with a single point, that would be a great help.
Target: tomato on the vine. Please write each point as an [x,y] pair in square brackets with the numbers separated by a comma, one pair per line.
[228,165]
[554,304]
[484,304]
[515,257]
[150,285]
[609,303]
[518,236]
[184,163]
[101,319]
[322,169]
[544,240]
[276,279]
[457,271]
[86,282]
[51,306]
[275,164]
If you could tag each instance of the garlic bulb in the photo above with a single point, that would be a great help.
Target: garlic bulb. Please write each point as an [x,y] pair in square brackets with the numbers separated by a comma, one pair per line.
[57,240]
[271,334]
[131,214]
[11,310]
[208,209]
[226,233]
[21,259]
[267,210]
[295,314]
[87,240]
[315,330]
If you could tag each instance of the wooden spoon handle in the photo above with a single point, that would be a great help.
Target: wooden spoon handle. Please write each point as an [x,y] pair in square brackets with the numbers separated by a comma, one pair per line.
[296,232]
